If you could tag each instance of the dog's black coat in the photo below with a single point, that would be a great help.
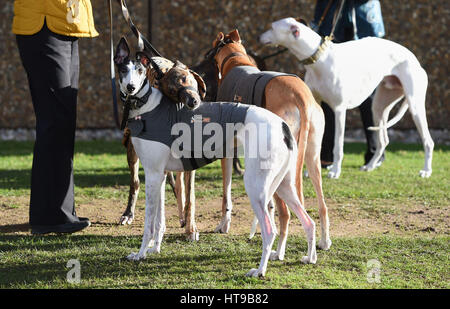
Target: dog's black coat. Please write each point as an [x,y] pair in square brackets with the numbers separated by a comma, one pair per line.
[157,125]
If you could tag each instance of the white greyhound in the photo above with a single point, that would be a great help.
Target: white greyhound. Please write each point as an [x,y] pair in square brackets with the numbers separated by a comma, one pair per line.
[265,174]
[345,74]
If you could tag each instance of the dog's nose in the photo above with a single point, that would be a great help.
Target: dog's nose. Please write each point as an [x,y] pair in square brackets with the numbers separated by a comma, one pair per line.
[193,103]
[130,88]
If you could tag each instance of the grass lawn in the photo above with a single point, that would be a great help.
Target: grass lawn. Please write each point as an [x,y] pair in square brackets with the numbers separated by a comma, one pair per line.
[390,215]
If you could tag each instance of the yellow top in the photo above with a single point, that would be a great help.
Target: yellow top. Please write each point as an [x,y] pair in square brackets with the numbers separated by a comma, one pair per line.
[66,17]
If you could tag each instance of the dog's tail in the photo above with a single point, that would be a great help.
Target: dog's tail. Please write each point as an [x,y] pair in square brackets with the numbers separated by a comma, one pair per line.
[401,112]
[288,139]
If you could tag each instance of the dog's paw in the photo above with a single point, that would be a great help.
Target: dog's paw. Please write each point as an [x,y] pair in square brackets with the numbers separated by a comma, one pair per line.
[223,227]
[363,168]
[425,173]
[334,174]
[367,168]
[194,236]
[324,244]
[124,220]
[275,256]
[135,257]
[255,273]
[309,260]
[153,250]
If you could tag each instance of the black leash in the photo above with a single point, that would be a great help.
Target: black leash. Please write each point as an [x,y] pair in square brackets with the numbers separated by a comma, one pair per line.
[143,43]
[113,73]
[275,54]
[336,19]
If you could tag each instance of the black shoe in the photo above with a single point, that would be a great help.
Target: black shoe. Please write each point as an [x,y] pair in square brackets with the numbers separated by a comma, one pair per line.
[70,227]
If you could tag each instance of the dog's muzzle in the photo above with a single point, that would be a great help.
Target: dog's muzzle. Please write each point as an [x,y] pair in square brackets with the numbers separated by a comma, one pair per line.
[188,99]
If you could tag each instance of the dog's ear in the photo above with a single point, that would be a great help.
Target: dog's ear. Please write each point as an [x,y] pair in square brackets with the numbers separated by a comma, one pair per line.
[234,36]
[302,21]
[295,31]
[219,38]
[180,65]
[201,84]
[143,58]
[122,51]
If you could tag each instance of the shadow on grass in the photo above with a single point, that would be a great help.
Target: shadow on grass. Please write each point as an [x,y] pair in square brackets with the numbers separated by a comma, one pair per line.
[42,260]
[14,228]
[21,179]
[97,147]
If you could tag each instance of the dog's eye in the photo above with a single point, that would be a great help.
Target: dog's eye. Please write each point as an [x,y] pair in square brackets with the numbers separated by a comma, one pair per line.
[140,71]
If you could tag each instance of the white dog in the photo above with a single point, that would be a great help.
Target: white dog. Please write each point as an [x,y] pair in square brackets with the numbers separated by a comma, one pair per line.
[345,74]
[273,172]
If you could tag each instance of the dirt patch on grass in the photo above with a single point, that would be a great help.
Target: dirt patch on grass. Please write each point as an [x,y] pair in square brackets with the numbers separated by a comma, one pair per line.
[349,218]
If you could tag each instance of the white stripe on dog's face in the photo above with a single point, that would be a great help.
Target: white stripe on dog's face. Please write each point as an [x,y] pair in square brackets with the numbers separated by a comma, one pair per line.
[132,75]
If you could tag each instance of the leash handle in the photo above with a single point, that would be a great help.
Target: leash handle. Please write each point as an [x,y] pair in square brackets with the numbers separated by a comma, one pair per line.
[113,74]
[142,41]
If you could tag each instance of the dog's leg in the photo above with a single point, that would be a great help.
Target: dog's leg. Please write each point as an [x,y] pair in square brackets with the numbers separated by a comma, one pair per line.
[338,150]
[259,204]
[181,197]
[159,222]
[253,227]
[191,228]
[314,167]
[255,219]
[227,205]
[133,164]
[284,217]
[287,192]
[383,102]
[260,185]
[420,120]
[312,159]
[154,225]
[415,90]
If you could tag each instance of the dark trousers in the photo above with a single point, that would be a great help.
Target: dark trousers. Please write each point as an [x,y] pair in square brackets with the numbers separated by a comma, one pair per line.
[365,110]
[51,62]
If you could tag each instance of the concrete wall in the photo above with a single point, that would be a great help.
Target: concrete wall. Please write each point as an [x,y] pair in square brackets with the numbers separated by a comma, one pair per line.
[184,30]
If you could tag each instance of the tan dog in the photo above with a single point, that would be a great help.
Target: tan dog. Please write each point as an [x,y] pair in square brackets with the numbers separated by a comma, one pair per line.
[291,99]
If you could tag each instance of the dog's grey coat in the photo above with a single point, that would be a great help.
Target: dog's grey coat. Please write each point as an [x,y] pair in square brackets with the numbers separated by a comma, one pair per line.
[157,124]
[246,84]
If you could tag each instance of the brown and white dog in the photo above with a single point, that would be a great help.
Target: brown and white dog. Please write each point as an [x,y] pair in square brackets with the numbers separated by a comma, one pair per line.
[291,99]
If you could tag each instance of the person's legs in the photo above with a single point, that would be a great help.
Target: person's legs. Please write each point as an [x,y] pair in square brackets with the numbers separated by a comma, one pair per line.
[365,110]
[326,153]
[52,65]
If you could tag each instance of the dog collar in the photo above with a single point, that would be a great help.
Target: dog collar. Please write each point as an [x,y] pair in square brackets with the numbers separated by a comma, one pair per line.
[324,43]
[136,102]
